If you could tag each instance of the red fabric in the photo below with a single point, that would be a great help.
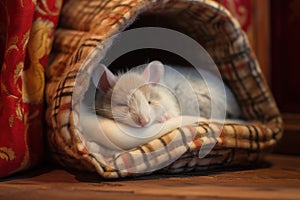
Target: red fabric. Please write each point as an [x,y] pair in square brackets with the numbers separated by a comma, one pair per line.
[26,32]
[241,9]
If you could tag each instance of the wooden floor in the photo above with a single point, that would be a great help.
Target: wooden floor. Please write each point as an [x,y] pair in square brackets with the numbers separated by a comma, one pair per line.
[278,180]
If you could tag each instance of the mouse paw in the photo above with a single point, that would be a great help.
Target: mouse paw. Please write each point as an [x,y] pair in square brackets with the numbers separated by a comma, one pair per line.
[163,118]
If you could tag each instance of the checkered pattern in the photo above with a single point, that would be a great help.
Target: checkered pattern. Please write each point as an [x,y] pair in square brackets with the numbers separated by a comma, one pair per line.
[80,42]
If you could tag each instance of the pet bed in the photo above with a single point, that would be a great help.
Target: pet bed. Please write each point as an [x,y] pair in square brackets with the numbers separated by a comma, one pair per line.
[81,40]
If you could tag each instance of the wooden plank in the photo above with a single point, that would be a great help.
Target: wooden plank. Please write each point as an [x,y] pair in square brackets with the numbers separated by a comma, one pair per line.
[289,144]
[261,32]
[278,179]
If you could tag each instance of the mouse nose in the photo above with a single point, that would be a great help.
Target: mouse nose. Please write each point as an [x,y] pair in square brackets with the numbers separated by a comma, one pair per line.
[142,121]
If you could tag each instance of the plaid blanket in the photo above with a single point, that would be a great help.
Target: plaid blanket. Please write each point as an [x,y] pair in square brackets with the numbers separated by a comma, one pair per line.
[81,41]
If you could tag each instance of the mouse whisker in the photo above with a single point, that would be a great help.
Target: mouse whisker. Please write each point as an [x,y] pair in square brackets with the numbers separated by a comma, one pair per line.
[120,117]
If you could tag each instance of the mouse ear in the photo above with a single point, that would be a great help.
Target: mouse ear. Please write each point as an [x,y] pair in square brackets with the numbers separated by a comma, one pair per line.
[103,78]
[154,72]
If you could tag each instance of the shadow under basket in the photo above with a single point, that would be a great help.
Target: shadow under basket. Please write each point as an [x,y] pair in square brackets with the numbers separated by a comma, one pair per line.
[82,40]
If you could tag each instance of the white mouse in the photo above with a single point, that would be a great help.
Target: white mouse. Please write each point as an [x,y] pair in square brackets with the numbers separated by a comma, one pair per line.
[134,98]
[156,94]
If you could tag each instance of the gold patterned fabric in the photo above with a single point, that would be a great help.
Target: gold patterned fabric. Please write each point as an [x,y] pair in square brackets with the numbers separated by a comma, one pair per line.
[26,33]
[86,26]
